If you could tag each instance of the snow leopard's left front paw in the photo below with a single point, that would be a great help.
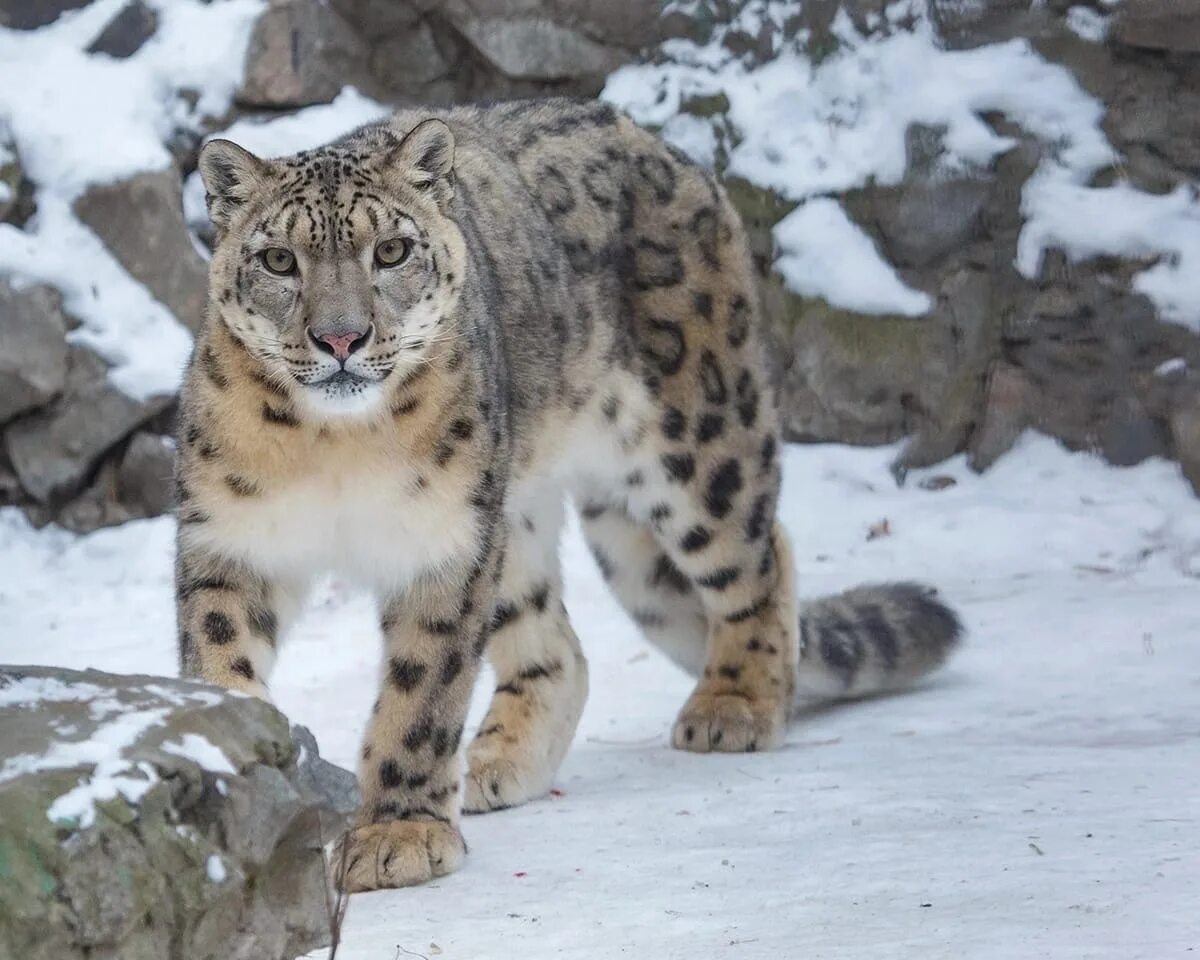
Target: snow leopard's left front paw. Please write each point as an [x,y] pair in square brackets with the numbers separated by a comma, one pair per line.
[396,853]
[729,723]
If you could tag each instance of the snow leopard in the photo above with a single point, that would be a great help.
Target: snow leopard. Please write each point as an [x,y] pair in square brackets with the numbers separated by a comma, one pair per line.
[424,339]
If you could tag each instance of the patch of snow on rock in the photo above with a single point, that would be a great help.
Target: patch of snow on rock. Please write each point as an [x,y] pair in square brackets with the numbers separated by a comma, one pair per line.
[202,751]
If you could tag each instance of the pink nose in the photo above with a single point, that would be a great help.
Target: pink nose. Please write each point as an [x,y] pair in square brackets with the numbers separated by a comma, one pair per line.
[341,345]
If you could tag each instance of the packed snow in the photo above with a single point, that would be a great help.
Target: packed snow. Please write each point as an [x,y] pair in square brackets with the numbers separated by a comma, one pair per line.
[825,254]
[202,751]
[808,129]
[214,868]
[1037,799]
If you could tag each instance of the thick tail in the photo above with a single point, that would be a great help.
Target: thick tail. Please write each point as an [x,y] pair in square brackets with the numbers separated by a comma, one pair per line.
[873,639]
[870,639]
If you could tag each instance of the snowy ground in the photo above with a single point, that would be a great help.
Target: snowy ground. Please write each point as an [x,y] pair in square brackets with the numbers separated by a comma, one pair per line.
[1039,799]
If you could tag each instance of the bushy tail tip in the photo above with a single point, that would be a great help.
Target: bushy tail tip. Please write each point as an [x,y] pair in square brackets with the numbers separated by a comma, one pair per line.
[872,639]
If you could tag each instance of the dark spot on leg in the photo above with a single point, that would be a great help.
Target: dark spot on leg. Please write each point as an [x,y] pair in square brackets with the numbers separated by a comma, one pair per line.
[757,519]
[680,467]
[695,539]
[712,382]
[674,423]
[724,483]
[666,575]
[406,674]
[709,427]
[451,667]
[218,628]
[390,775]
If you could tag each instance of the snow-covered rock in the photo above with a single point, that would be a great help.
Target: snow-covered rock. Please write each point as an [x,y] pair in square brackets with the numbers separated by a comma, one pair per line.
[943,193]
[153,818]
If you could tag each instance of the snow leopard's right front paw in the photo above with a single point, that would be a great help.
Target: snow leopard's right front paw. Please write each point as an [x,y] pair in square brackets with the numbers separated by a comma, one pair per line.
[396,853]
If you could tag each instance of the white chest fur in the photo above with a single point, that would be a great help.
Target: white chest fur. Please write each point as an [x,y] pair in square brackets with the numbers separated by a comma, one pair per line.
[369,521]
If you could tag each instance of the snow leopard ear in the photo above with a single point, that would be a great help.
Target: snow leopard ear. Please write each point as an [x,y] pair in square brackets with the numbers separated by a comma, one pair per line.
[231,176]
[427,152]
[425,158]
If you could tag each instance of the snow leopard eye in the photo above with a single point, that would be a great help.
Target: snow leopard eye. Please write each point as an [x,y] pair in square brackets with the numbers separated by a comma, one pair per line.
[392,253]
[279,261]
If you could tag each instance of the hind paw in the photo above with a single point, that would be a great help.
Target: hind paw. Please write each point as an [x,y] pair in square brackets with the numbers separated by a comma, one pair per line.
[501,775]
[729,723]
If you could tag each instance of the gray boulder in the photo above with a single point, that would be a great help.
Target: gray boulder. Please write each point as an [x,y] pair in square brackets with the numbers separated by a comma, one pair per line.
[33,361]
[129,485]
[31,14]
[1172,25]
[535,48]
[301,52]
[422,51]
[127,31]
[145,480]
[55,449]
[154,819]
[141,222]
[934,212]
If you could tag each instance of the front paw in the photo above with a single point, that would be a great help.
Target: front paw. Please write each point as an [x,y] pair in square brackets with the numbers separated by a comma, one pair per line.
[729,723]
[396,853]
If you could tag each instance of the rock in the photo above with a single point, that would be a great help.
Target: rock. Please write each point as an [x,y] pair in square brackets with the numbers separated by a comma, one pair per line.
[1154,107]
[850,374]
[10,487]
[31,14]
[128,486]
[923,221]
[533,48]
[55,450]
[631,25]
[33,361]
[933,212]
[336,785]
[1185,438]
[145,482]
[97,506]
[380,17]
[127,31]
[1130,435]
[946,407]
[301,52]
[191,829]
[965,24]
[10,175]
[1008,411]
[1172,25]
[408,60]
[141,222]
[627,25]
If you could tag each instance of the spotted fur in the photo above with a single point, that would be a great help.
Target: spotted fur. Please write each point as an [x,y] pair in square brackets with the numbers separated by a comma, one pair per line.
[421,338]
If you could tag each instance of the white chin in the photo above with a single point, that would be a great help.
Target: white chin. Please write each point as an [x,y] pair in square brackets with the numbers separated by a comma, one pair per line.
[344,400]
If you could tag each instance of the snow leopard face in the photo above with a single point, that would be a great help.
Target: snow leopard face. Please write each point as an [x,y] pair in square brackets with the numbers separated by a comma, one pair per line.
[335,268]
